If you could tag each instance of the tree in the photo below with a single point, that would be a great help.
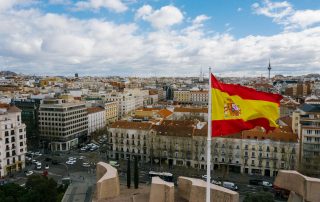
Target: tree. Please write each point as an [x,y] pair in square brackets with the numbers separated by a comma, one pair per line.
[136,173]
[128,174]
[259,196]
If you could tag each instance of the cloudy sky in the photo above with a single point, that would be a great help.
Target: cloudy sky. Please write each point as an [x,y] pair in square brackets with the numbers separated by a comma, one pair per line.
[159,37]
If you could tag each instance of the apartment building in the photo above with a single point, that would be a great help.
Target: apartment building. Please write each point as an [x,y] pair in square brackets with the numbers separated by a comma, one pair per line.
[13,142]
[308,118]
[182,96]
[62,125]
[183,143]
[199,97]
[190,113]
[126,102]
[111,109]
[129,139]
[96,119]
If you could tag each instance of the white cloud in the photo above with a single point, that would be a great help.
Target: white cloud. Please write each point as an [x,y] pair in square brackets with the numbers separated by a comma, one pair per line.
[60,2]
[239,9]
[164,17]
[283,13]
[305,18]
[42,43]
[113,5]
[200,18]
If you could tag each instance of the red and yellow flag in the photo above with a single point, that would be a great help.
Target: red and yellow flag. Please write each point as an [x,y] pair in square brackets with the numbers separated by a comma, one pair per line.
[236,108]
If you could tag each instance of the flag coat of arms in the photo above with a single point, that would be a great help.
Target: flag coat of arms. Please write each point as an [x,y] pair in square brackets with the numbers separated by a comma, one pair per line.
[235,108]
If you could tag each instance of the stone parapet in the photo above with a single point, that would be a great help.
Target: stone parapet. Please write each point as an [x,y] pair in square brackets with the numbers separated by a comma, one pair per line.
[161,191]
[306,187]
[194,190]
[108,185]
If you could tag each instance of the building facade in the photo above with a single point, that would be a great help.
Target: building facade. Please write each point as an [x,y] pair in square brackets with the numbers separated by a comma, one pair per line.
[126,102]
[13,142]
[111,109]
[62,125]
[96,119]
[309,133]
[29,116]
[183,143]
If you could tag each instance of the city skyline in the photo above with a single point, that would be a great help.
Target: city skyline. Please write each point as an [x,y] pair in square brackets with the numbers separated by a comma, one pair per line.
[159,38]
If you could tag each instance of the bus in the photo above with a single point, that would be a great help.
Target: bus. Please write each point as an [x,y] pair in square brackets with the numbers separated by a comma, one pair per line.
[163,175]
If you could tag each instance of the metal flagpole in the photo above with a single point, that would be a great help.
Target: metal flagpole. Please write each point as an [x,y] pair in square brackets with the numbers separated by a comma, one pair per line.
[209,141]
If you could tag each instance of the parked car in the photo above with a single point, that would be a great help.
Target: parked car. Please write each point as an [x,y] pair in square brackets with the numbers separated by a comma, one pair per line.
[85,164]
[82,157]
[114,163]
[37,154]
[230,185]
[38,166]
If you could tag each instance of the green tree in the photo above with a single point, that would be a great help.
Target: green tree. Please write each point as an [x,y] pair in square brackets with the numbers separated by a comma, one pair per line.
[259,196]
[128,174]
[136,173]
[42,188]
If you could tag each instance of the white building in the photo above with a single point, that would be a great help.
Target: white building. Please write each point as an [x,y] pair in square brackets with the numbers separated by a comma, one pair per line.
[13,145]
[126,102]
[62,125]
[96,118]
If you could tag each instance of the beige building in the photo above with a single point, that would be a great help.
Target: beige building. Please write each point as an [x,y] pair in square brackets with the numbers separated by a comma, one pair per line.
[183,143]
[111,112]
[182,96]
[125,101]
[62,125]
[129,139]
[13,146]
[199,97]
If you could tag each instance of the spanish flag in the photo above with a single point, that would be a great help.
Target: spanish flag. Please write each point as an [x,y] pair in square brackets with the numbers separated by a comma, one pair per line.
[236,108]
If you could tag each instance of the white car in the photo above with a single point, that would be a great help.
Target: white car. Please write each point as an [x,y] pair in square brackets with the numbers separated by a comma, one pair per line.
[266,184]
[28,173]
[82,157]
[46,167]
[204,177]
[216,182]
[70,162]
[85,164]
[72,159]
[37,154]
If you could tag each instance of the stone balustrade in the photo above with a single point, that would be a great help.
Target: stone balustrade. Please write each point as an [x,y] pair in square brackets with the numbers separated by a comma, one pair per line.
[108,185]
[161,191]
[194,190]
[302,188]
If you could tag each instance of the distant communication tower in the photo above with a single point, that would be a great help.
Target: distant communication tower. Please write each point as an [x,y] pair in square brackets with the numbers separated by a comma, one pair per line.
[201,76]
[269,68]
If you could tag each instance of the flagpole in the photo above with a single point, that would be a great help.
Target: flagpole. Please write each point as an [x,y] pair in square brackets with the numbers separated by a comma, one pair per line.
[209,142]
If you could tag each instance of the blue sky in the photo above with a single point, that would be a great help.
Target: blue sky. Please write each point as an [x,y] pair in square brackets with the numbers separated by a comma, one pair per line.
[132,38]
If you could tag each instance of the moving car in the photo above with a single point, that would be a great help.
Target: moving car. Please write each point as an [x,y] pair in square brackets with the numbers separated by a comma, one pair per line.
[28,173]
[216,182]
[46,167]
[230,185]
[85,164]
[70,162]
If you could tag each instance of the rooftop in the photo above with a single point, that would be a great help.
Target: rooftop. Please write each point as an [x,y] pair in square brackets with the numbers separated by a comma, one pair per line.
[131,125]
